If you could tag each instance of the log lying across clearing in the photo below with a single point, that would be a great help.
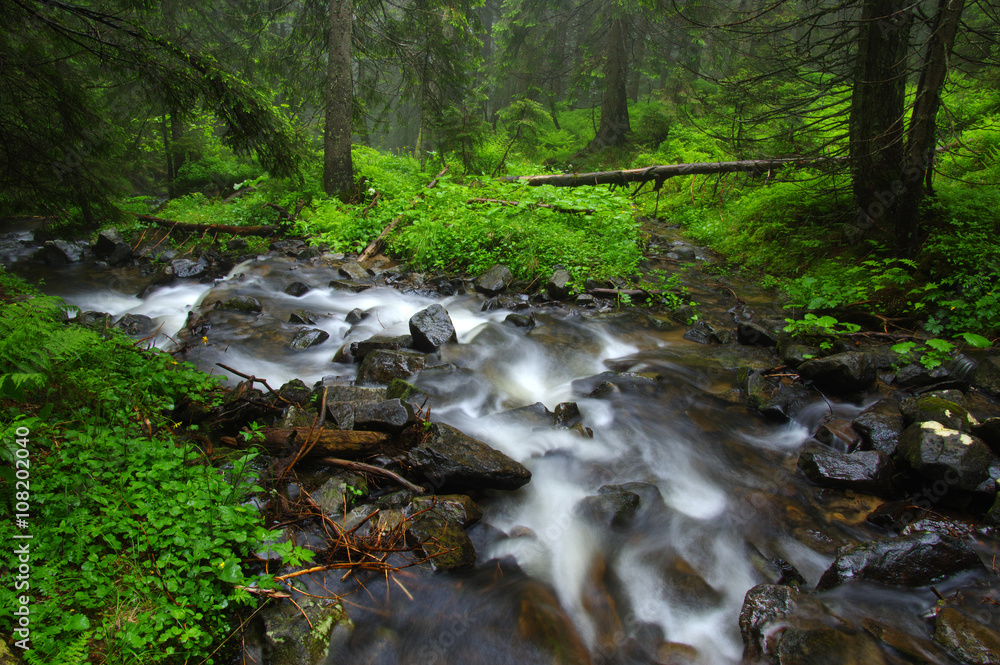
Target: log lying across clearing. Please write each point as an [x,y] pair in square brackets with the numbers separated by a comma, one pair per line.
[263,231]
[662,172]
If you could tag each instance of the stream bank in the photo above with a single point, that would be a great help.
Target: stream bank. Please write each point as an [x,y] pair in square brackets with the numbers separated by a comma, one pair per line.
[700,494]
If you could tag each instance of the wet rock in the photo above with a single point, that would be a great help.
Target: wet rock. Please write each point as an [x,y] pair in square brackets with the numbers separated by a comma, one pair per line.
[912,647]
[406,392]
[794,355]
[442,540]
[340,415]
[303,317]
[308,337]
[586,300]
[532,415]
[354,271]
[242,304]
[752,333]
[838,434]
[938,453]
[450,459]
[526,321]
[992,517]
[915,375]
[567,414]
[457,508]
[106,242]
[341,393]
[136,324]
[542,620]
[785,402]
[345,285]
[934,407]
[843,374]
[382,366]
[96,321]
[827,646]
[295,392]
[297,289]
[503,302]
[880,426]
[989,432]
[611,509]
[356,316]
[339,492]
[868,471]
[969,640]
[61,252]
[292,640]
[677,653]
[557,287]
[186,268]
[396,343]
[597,386]
[986,376]
[915,560]
[494,281]
[432,328]
[391,415]
[768,606]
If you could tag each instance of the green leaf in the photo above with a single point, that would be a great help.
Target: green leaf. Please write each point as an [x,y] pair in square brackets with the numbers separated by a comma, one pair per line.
[974,340]
[231,572]
[77,622]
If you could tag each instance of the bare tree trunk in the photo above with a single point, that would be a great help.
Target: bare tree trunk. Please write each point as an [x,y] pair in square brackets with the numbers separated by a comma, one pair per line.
[877,108]
[338,169]
[920,144]
[614,125]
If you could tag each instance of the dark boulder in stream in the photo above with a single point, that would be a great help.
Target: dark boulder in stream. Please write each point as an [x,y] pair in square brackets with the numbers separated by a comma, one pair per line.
[59,252]
[432,328]
[382,366]
[915,560]
[308,337]
[938,453]
[986,376]
[494,281]
[450,459]
[868,471]
[880,426]
[842,374]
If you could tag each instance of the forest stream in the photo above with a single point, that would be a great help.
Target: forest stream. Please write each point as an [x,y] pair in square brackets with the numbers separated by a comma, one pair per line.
[647,518]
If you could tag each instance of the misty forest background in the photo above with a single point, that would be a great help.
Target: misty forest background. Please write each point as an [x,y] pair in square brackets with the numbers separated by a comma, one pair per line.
[117,107]
[328,121]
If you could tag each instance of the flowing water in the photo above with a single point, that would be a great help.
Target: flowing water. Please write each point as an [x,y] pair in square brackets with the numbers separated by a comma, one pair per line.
[720,497]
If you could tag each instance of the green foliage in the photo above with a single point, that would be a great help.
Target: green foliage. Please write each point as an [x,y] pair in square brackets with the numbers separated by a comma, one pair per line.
[819,330]
[137,545]
[446,233]
[668,291]
[935,352]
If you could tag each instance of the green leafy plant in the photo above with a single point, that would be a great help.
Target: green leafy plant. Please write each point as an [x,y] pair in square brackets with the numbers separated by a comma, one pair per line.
[821,330]
[935,352]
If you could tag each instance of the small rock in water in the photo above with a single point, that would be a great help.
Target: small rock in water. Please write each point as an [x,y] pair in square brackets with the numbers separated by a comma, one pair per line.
[382,366]
[297,289]
[968,639]
[432,328]
[302,316]
[245,304]
[450,459]
[494,281]
[309,337]
[355,271]
[867,471]
[356,316]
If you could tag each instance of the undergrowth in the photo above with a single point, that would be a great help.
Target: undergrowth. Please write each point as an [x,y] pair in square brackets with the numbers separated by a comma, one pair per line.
[137,545]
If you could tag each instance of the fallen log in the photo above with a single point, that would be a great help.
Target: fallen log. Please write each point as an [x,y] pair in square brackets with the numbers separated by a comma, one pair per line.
[374,470]
[375,244]
[664,171]
[505,202]
[328,442]
[263,231]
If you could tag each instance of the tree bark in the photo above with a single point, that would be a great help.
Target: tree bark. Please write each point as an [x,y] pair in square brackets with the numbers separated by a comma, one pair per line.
[263,231]
[329,442]
[338,169]
[614,125]
[876,122]
[665,171]
[920,144]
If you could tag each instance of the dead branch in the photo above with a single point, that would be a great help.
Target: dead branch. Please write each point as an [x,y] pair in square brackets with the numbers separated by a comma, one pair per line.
[375,244]
[376,470]
[262,231]
[504,202]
